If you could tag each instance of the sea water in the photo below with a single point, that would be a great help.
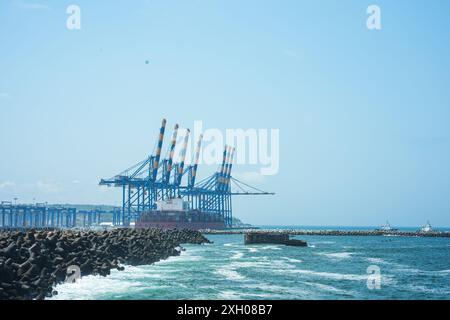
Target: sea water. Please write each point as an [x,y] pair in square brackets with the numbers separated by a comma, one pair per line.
[329,268]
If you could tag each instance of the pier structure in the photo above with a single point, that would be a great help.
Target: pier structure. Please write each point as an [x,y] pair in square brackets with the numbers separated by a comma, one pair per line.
[336,233]
[41,216]
[154,180]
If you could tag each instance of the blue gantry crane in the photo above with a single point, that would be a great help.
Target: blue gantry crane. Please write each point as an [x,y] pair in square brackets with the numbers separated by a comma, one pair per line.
[155,179]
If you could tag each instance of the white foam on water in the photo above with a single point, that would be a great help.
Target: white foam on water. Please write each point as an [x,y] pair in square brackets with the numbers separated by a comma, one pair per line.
[98,287]
[251,264]
[407,269]
[410,270]
[271,248]
[266,296]
[260,258]
[237,255]
[282,292]
[264,264]
[375,260]
[230,244]
[444,271]
[423,289]
[311,245]
[281,265]
[230,274]
[137,273]
[338,255]
[185,256]
[328,288]
[404,268]
[132,279]
[388,280]
[265,286]
[258,248]
[229,295]
[292,260]
[398,266]
[328,275]
[324,242]
[439,272]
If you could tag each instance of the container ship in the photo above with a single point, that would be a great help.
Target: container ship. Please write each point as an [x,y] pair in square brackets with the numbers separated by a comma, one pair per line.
[175,214]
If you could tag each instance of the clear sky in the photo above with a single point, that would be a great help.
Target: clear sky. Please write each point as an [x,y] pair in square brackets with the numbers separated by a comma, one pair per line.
[364,116]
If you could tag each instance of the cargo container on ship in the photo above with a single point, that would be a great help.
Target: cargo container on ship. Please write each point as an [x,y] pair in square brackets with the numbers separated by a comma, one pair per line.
[176,214]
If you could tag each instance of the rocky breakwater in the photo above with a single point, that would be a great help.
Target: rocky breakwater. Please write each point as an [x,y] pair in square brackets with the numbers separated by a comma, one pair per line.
[33,262]
[365,233]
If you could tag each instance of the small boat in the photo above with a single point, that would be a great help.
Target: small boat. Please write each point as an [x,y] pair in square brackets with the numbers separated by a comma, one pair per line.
[387,228]
[426,228]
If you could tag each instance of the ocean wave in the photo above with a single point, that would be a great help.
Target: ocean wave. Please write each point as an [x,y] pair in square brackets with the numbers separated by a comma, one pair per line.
[251,264]
[138,273]
[230,244]
[407,269]
[237,255]
[338,255]
[444,271]
[328,288]
[185,256]
[328,275]
[292,260]
[424,289]
[265,296]
[281,292]
[234,295]
[229,295]
[404,268]
[230,274]
[264,258]
[388,280]
[119,283]
[271,248]
[376,260]
[264,264]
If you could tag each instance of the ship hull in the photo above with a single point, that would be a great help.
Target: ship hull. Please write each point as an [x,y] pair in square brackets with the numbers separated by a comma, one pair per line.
[167,225]
[192,220]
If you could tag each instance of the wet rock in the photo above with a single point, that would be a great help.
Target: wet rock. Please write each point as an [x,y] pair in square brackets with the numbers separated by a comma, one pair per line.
[10,251]
[33,271]
[32,262]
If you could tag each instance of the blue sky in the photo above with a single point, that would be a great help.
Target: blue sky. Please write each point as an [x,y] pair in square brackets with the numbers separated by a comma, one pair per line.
[363,115]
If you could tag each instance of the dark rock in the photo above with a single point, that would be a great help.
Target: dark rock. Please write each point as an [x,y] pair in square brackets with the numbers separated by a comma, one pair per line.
[32,262]
[33,271]
[10,251]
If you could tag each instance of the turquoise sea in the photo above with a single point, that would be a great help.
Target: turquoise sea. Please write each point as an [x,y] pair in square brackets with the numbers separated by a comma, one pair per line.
[329,268]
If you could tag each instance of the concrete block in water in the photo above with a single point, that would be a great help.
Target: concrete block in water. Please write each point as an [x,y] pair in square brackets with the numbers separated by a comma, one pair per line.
[272,238]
